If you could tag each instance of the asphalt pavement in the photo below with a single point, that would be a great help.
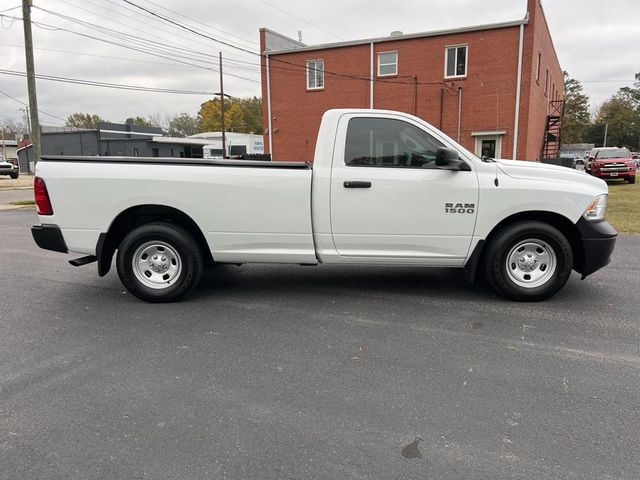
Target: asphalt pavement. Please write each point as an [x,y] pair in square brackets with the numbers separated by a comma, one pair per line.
[287,372]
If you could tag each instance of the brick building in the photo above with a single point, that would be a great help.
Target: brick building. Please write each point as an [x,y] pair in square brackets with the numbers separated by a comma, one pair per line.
[482,85]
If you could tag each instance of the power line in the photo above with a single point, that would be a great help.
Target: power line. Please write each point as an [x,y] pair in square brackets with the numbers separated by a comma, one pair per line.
[174,58]
[26,105]
[301,19]
[116,86]
[189,29]
[134,27]
[9,9]
[250,42]
[353,77]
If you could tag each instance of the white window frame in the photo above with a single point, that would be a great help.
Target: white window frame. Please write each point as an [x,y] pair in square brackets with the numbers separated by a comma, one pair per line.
[466,59]
[314,72]
[538,66]
[387,64]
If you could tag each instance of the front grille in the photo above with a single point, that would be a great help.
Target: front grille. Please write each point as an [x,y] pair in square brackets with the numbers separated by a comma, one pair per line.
[614,167]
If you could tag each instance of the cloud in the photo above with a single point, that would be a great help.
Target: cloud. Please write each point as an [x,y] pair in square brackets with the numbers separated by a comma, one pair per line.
[592,47]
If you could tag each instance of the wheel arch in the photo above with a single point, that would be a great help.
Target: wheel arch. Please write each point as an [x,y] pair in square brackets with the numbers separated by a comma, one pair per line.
[562,223]
[136,216]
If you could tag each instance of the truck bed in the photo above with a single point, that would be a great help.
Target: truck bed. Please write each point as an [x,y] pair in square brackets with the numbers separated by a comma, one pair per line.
[248,211]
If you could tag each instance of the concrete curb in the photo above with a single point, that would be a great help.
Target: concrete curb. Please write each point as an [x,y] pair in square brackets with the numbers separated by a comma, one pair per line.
[17,207]
[8,189]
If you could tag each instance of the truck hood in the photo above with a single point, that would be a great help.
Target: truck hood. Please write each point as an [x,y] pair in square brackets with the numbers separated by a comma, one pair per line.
[543,171]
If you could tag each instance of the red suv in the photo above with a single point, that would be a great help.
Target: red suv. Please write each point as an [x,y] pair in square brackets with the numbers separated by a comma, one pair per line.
[612,162]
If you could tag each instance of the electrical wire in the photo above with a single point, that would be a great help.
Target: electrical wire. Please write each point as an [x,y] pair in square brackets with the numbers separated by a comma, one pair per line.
[275,59]
[117,86]
[141,50]
[26,105]
[301,19]
[250,42]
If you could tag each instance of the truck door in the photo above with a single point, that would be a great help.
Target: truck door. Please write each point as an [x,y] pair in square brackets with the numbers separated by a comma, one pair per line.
[389,200]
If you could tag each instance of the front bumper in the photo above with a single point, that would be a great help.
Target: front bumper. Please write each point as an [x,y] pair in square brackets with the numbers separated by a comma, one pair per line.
[598,242]
[613,175]
[49,237]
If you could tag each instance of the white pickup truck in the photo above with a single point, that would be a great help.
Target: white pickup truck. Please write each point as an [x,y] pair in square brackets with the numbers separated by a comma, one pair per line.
[386,188]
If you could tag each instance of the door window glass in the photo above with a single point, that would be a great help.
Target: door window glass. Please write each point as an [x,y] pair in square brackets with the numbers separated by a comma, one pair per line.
[381,142]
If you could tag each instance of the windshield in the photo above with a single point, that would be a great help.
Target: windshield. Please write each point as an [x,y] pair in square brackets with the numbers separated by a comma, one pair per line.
[617,153]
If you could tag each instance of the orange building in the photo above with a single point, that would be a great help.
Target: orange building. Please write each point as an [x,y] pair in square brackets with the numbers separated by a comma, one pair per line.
[496,88]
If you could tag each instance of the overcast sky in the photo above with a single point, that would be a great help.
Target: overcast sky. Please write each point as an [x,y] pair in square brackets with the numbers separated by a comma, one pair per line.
[597,42]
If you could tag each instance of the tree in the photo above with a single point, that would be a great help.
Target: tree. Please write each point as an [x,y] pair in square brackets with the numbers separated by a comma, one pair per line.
[622,115]
[576,111]
[241,115]
[83,120]
[159,120]
[11,129]
[138,120]
[183,125]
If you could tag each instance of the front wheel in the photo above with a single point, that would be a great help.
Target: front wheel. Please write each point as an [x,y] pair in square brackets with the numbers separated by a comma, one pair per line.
[159,262]
[528,261]
[13,175]
[631,179]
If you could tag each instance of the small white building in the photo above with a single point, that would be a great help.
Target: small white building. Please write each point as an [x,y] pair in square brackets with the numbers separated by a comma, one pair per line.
[237,144]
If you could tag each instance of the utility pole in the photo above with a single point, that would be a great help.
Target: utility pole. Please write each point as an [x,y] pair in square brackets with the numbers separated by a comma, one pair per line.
[224,140]
[606,130]
[34,123]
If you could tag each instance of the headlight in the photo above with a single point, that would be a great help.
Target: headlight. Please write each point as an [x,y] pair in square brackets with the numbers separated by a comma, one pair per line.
[596,209]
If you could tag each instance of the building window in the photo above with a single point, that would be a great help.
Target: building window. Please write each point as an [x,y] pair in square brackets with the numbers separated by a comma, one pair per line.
[546,84]
[172,152]
[315,74]
[456,61]
[538,68]
[155,152]
[387,64]
[136,152]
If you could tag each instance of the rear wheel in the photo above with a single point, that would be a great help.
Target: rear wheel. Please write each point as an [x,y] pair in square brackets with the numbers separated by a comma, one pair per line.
[528,261]
[159,262]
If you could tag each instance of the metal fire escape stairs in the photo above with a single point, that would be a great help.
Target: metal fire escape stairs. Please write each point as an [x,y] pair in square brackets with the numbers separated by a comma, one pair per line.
[551,140]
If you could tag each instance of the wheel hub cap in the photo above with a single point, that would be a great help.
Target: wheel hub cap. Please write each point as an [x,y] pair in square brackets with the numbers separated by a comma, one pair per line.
[531,263]
[156,264]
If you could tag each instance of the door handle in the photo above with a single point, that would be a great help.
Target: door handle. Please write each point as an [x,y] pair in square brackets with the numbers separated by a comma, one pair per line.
[352,184]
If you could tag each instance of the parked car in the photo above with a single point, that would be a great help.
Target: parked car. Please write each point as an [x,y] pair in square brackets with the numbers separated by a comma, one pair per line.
[9,168]
[612,162]
[386,188]
[636,157]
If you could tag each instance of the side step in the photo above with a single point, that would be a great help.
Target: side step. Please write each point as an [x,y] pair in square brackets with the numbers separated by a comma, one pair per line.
[79,262]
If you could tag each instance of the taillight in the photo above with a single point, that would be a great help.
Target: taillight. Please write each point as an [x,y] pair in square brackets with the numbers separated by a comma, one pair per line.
[42,197]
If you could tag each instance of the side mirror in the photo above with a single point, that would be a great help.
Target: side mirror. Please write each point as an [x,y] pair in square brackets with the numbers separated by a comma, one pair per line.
[447,159]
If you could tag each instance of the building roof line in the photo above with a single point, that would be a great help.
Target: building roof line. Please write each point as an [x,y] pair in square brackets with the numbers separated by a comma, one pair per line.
[409,36]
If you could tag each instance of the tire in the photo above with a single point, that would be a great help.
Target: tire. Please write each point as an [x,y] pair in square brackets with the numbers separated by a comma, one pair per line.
[631,179]
[14,175]
[528,261]
[159,262]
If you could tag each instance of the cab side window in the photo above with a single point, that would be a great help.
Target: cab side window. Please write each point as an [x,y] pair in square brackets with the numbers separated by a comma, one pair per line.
[387,143]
